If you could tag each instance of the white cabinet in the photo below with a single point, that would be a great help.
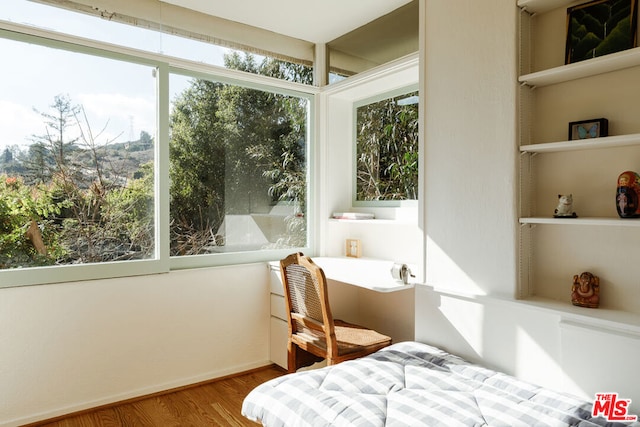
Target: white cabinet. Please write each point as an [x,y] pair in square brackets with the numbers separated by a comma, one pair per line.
[278,320]
[551,95]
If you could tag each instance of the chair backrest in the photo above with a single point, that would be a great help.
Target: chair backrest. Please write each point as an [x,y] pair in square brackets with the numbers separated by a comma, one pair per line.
[306,298]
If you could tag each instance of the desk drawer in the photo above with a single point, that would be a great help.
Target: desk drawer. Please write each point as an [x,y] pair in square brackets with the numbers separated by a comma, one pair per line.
[278,307]
[275,282]
[278,344]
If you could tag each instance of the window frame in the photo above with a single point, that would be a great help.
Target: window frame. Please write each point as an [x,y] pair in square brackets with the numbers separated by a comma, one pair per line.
[354,166]
[164,65]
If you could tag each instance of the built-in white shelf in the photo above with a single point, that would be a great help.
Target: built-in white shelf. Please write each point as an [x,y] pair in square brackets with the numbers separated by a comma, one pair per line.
[599,221]
[584,144]
[607,319]
[378,221]
[611,320]
[541,6]
[590,67]
[582,75]
[362,221]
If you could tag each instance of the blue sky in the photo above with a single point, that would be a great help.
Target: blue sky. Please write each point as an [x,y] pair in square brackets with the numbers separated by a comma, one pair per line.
[117,97]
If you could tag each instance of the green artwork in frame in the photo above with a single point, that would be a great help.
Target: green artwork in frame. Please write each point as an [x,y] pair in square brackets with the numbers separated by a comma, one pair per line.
[600,27]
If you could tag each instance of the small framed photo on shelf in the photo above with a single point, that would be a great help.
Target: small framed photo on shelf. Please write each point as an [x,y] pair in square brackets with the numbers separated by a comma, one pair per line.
[354,248]
[587,129]
[600,27]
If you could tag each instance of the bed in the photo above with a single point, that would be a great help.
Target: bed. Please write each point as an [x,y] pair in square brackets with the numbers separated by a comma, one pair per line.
[412,384]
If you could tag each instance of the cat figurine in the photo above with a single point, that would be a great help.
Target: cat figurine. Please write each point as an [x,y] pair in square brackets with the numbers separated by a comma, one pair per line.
[565,207]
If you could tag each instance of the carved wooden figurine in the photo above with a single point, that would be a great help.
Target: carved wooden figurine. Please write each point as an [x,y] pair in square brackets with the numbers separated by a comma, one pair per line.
[585,291]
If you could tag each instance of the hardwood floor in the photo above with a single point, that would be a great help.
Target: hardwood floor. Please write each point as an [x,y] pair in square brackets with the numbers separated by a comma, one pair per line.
[216,403]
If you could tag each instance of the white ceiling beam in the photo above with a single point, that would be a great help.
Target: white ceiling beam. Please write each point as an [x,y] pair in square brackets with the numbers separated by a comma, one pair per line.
[168,18]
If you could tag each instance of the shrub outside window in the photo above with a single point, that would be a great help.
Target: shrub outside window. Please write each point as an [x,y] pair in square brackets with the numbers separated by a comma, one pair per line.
[386,149]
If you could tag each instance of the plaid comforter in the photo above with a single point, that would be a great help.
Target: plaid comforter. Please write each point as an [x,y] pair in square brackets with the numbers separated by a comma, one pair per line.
[412,384]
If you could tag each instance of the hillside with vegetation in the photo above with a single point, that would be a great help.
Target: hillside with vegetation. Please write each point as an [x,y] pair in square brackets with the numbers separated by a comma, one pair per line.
[73,197]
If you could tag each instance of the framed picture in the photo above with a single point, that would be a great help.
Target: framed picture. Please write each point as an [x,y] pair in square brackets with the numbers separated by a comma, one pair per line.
[600,27]
[354,248]
[587,129]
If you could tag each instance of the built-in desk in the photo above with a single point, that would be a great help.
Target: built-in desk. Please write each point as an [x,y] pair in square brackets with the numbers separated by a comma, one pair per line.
[368,273]
[361,290]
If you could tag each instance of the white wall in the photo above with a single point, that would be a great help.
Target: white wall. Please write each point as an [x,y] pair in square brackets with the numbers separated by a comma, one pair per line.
[67,347]
[470,60]
[470,92]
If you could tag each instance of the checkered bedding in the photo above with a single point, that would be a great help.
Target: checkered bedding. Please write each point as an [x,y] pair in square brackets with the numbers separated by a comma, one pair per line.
[412,384]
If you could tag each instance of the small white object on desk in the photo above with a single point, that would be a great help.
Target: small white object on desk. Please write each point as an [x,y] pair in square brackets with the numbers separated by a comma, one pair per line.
[401,273]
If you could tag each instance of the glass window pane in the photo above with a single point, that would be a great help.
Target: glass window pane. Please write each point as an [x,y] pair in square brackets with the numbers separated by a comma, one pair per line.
[76,158]
[80,24]
[237,168]
[387,149]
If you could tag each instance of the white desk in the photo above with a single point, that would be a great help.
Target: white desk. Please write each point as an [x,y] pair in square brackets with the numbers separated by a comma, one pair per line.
[367,273]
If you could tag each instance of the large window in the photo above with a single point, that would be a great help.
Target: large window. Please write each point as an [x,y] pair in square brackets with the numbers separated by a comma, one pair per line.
[112,163]
[76,158]
[387,149]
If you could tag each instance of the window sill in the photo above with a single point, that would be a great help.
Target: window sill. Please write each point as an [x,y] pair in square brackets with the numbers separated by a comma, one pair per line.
[404,221]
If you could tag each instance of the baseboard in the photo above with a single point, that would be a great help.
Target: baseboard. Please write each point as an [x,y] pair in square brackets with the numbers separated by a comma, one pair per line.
[142,393]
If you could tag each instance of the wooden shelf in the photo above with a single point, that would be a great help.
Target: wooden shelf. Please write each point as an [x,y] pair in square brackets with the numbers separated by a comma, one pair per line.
[584,144]
[590,67]
[599,221]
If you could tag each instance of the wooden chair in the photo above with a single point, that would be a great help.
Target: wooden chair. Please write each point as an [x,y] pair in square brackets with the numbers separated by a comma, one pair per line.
[313,333]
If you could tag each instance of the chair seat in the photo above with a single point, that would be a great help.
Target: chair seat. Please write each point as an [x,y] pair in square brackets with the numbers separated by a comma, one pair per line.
[350,337]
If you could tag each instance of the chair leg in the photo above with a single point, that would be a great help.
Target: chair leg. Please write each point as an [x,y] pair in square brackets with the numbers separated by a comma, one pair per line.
[292,351]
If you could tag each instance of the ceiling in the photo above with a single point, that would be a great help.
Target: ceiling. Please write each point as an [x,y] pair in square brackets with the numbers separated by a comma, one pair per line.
[313,21]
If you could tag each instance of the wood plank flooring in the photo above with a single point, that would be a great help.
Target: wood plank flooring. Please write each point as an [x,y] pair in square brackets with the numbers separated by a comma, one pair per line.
[215,403]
